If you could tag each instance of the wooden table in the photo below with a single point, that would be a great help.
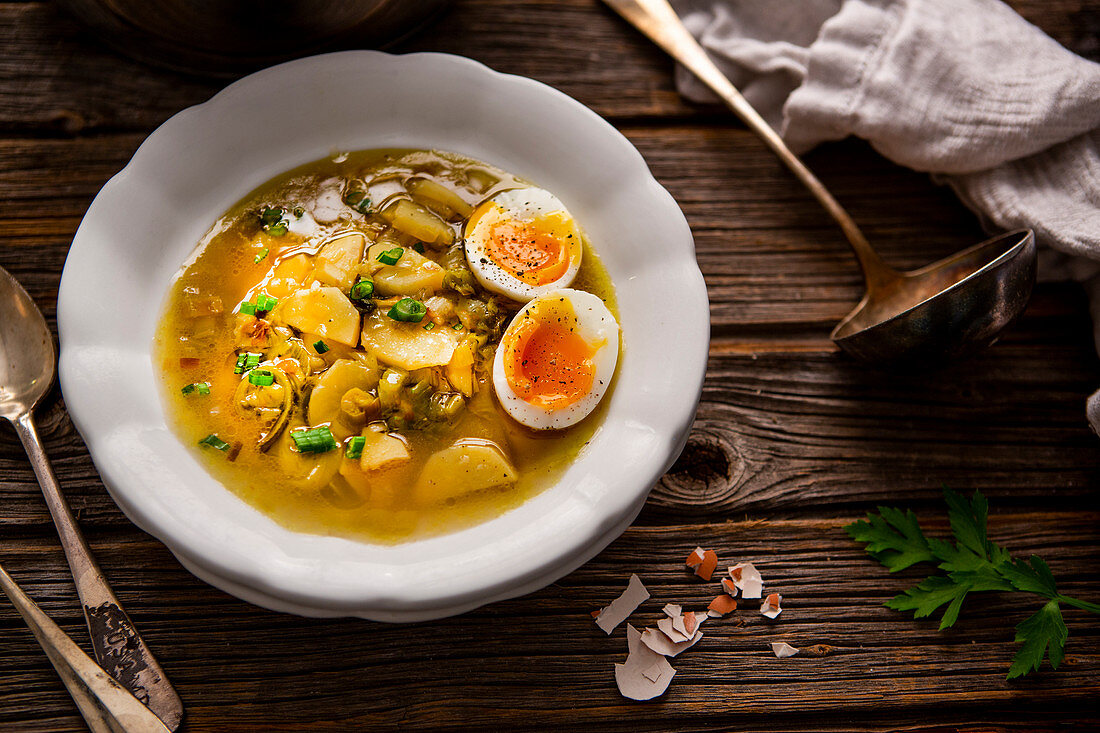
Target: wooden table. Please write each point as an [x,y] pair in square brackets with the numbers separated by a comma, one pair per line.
[792,441]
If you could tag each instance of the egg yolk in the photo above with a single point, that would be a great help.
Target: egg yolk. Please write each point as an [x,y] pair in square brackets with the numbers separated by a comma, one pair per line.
[548,364]
[536,252]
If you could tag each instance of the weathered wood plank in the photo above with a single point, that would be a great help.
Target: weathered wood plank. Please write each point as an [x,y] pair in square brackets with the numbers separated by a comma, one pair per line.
[54,78]
[522,663]
[808,431]
[771,257]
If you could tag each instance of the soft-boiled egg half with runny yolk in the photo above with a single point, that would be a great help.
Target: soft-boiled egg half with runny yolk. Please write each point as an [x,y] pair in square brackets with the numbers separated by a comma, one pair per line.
[556,359]
[522,243]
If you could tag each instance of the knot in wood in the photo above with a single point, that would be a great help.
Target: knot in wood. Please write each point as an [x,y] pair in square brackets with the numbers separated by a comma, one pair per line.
[704,475]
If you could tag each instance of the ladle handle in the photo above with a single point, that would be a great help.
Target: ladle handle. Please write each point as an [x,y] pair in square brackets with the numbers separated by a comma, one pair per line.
[657,20]
[107,707]
[117,645]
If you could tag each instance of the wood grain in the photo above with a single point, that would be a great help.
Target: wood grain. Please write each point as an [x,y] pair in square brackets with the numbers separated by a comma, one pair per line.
[791,442]
[521,664]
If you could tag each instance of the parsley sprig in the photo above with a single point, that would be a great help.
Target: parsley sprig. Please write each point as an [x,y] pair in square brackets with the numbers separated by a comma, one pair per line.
[972,563]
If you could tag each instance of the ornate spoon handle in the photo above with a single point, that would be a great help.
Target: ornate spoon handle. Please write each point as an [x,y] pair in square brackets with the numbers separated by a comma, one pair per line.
[106,705]
[117,645]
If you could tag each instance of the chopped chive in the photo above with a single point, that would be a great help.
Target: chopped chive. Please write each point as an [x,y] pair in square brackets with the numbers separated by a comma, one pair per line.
[408,310]
[260,257]
[457,326]
[362,289]
[214,441]
[202,388]
[429,325]
[320,346]
[261,378]
[279,229]
[313,440]
[246,361]
[248,307]
[271,216]
[391,256]
[355,447]
[358,200]
[265,302]
[419,247]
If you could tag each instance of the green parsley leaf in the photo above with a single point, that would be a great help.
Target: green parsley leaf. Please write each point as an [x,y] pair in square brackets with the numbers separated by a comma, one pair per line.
[1033,578]
[972,563]
[1045,632]
[894,538]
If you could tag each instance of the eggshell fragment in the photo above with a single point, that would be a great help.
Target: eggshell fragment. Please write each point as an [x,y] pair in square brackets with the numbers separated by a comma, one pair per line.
[690,623]
[770,607]
[645,674]
[668,628]
[680,624]
[655,670]
[703,562]
[783,649]
[706,569]
[619,609]
[722,605]
[747,579]
[660,642]
[729,587]
[672,610]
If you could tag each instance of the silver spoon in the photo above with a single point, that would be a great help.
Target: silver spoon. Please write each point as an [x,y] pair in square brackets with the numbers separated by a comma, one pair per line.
[26,373]
[947,309]
[106,705]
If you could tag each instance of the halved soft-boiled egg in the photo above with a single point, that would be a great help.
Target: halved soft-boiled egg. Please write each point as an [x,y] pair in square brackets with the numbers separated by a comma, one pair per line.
[522,243]
[556,359]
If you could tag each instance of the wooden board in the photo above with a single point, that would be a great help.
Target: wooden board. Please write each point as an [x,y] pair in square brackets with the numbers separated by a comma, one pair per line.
[791,442]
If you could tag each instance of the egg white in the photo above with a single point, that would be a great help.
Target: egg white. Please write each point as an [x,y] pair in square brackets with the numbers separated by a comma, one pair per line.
[597,326]
[524,205]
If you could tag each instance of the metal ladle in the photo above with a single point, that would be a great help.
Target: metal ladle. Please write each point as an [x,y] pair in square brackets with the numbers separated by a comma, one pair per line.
[26,373]
[948,309]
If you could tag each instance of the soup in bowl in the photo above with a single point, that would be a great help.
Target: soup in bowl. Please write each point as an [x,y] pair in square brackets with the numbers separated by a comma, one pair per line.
[389,344]
[394,351]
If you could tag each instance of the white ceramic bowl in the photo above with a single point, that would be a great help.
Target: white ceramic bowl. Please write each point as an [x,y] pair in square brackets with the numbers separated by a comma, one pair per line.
[147,219]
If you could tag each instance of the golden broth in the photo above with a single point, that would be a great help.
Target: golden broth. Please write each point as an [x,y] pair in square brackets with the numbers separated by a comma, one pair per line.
[201,335]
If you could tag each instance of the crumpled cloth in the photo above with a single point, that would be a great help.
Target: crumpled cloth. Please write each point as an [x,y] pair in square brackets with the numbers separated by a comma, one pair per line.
[966,90]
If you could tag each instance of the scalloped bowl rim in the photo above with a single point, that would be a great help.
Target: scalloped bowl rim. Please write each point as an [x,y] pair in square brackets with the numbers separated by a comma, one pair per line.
[146,220]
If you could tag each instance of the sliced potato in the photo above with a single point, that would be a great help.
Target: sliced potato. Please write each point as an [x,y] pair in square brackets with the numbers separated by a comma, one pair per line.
[415,220]
[412,274]
[354,475]
[306,472]
[337,262]
[289,275]
[324,311]
[340,378]
[440,199]
[415,281]
[407,345]
[465,467]
[382,450]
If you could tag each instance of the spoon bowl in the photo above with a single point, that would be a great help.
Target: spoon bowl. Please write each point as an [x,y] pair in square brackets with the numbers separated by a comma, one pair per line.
[944,311]
[26,350]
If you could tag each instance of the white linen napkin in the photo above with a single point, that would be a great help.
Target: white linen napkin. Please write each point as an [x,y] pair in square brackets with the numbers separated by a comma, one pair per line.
[964,89]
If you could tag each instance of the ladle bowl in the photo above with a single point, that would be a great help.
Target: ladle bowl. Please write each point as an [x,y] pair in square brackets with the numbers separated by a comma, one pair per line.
[947,310]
